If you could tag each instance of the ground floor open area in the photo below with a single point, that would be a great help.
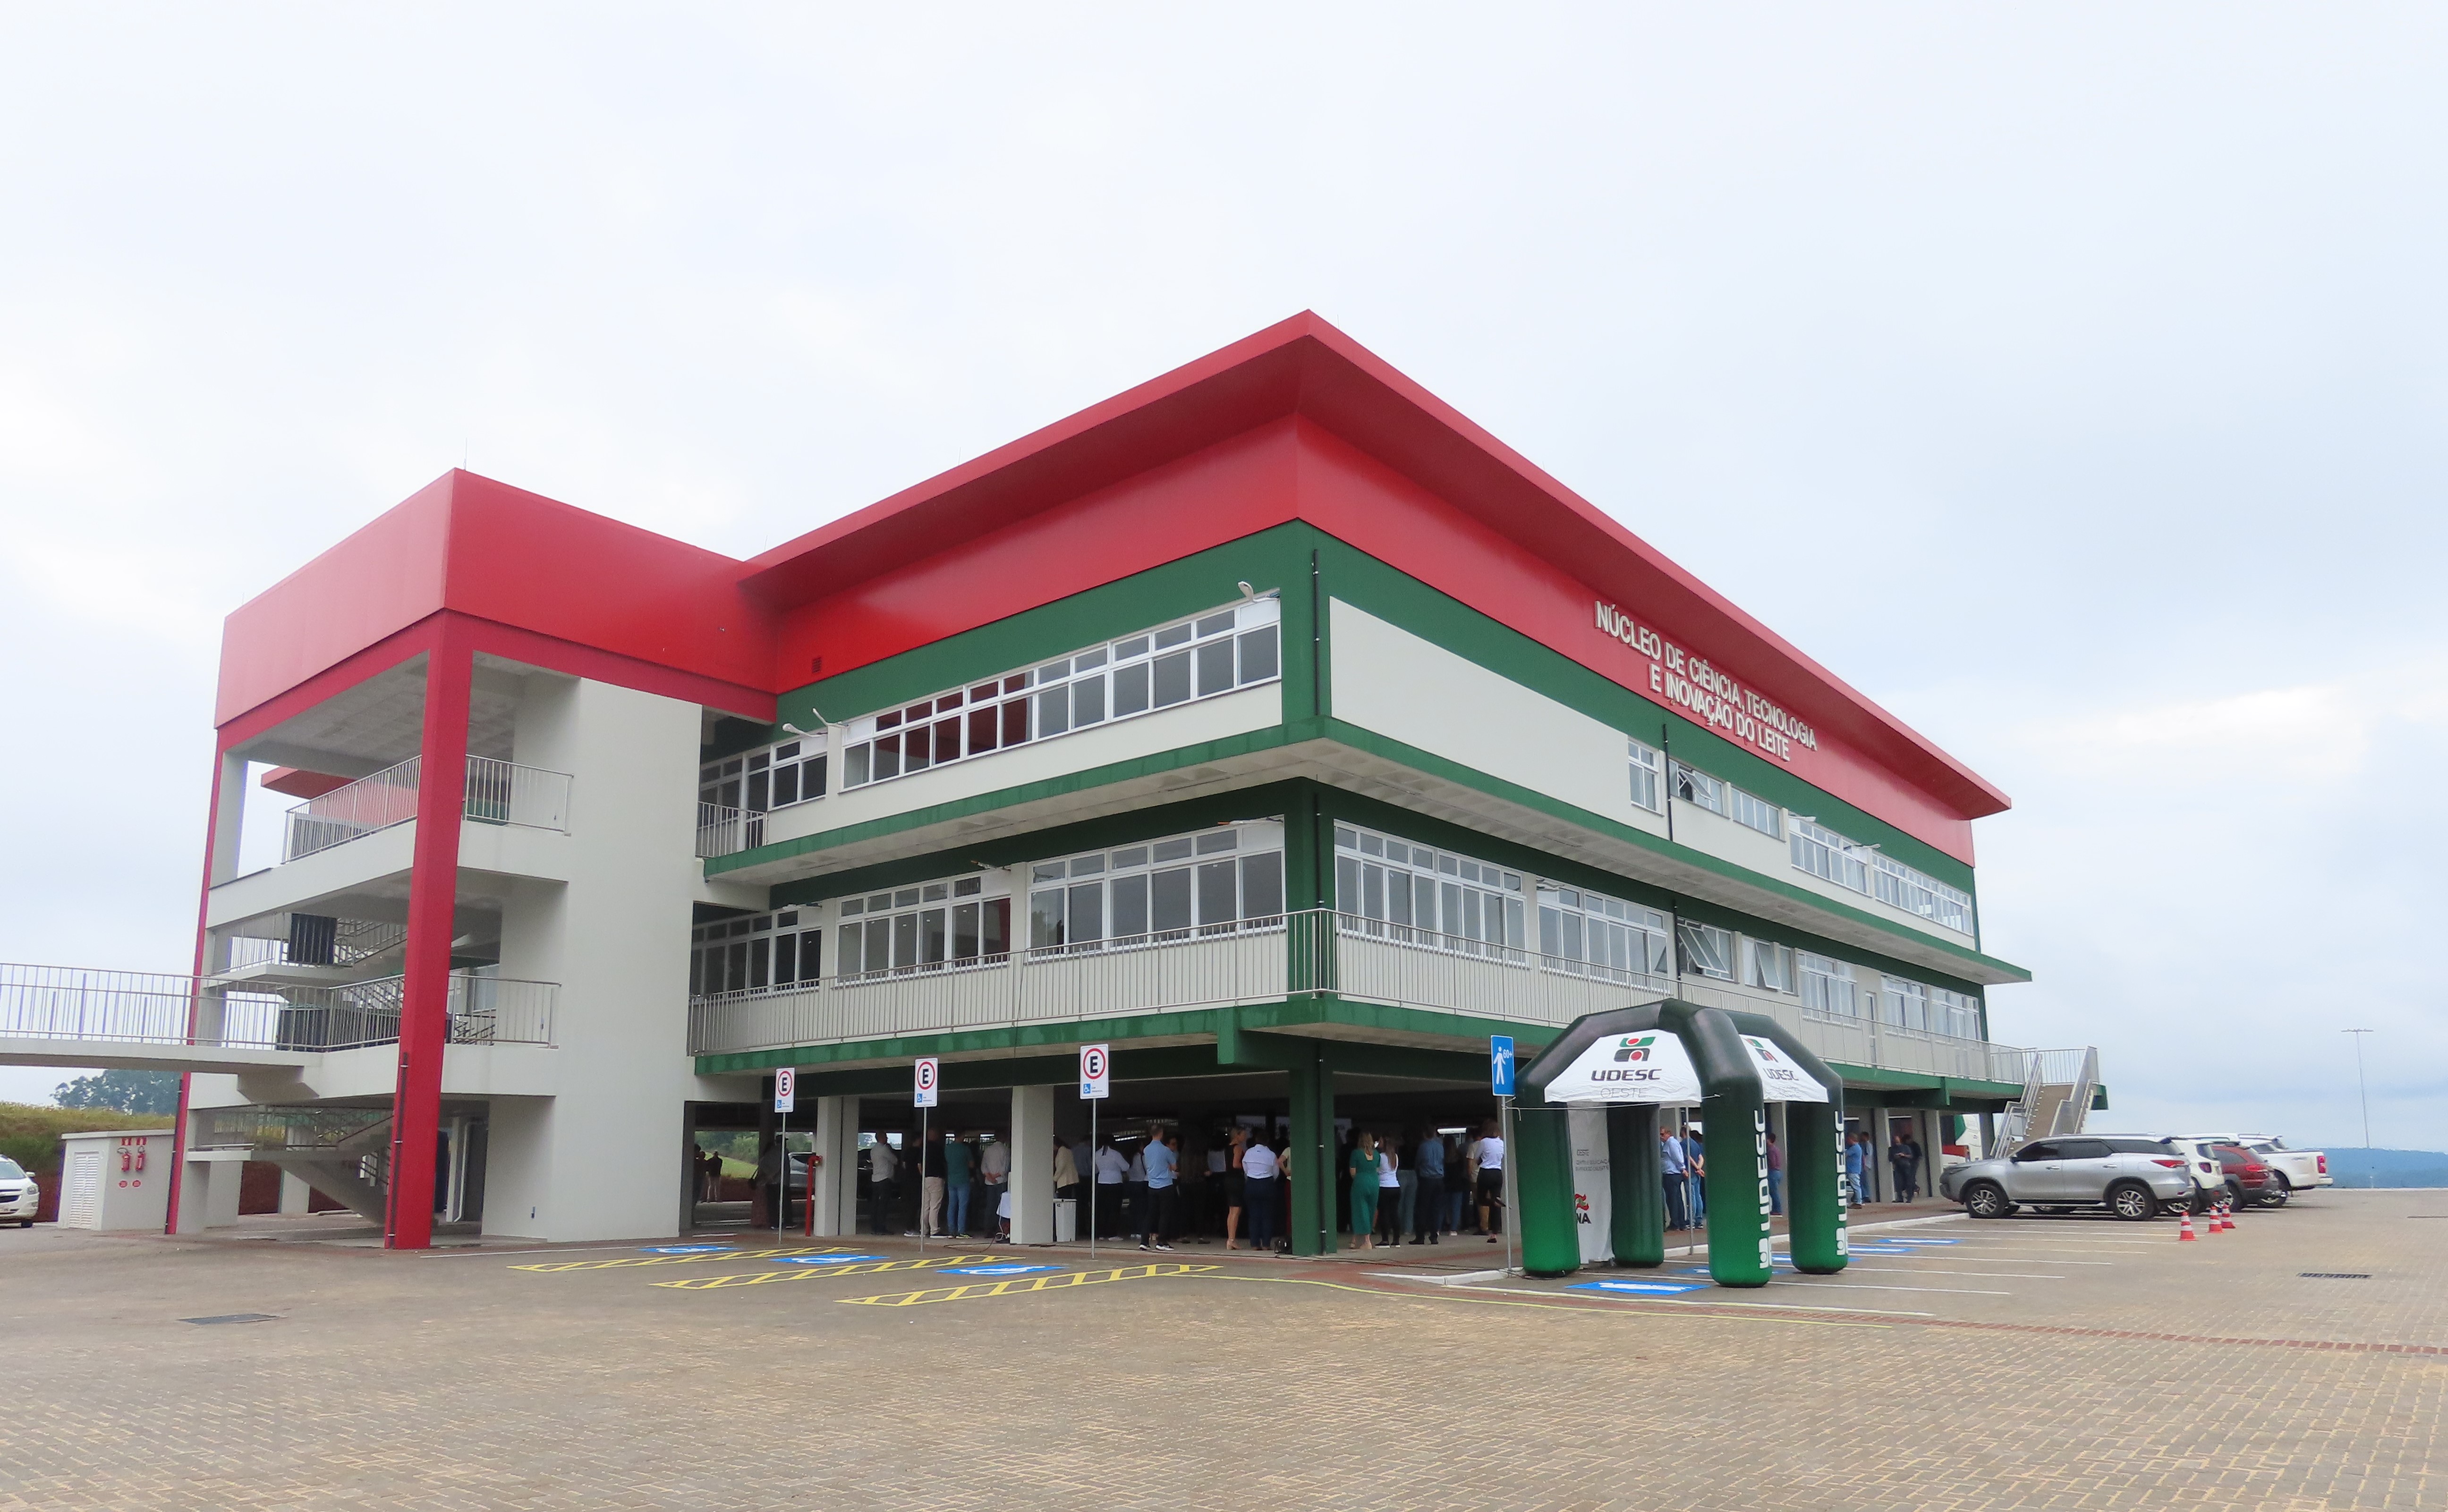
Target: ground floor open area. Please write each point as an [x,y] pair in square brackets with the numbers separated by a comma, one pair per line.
[2300,1362]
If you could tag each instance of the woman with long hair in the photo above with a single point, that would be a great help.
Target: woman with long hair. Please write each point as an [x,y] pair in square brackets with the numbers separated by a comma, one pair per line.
[1236,1187]
[1363,1191]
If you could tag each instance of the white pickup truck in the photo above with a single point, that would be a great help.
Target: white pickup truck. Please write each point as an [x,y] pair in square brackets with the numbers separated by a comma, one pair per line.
[2298,1170]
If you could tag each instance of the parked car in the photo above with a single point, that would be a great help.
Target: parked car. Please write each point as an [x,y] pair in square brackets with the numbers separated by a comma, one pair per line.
[2209,1173]
[21,1195]
[2298,1170]
[2251,1180]
[2132,1176]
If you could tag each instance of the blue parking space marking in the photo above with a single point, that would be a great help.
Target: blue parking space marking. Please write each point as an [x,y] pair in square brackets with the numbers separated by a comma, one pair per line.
[827,1259]
[1918,1243]
[686,1249]
[1639,1288]
[1876,1249]
[1000,1270]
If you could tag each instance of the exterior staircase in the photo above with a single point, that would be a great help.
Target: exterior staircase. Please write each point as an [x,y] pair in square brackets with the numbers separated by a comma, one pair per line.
[2059,1088]
[343,1153]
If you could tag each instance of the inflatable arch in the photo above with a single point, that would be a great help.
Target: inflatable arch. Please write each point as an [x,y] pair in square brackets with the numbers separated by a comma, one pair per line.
[1621,1066]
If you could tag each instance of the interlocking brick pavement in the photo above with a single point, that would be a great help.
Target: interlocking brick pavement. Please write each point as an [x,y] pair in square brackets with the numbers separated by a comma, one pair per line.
[456,1381]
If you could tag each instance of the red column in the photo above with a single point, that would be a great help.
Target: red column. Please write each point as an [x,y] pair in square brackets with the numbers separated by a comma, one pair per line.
[432,897]
[195,995]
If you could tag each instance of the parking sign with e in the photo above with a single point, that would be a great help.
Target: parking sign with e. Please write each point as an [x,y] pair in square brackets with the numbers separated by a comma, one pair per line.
[924,1081]
[1096,1070]
[786,1090]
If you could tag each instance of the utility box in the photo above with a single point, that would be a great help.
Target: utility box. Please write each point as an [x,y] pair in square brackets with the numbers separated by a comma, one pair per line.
[1066,1220]
[115,1178]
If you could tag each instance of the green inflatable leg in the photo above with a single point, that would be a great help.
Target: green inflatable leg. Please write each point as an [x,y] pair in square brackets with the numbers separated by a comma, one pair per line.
[1543,1180]
[1814,1184]
[1737,1186]
[1637,1176]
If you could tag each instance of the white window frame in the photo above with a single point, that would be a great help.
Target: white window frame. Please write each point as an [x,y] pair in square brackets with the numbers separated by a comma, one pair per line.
[1904,1004]
[1592,934]
[769,950]
[1752,812]
[1699,943]
[920,927]
[1769,965]
[1955,1013]
[1826,986]
[1690,785]
[1214,653]
[1252,851]
[1918,893]
[1461,888]
[1648,785]
[1829,856]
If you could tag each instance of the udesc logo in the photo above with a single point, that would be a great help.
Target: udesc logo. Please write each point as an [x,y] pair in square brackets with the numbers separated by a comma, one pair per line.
[1770,1066]
[1634,1048]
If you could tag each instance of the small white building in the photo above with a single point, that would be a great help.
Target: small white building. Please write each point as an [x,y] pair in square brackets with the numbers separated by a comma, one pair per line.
[115,1178]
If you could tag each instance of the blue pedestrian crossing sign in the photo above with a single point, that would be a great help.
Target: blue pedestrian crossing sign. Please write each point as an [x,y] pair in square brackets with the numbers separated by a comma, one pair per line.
[1500,1063]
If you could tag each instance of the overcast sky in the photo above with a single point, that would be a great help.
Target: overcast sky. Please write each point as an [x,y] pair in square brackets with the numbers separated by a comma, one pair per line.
[2069,378]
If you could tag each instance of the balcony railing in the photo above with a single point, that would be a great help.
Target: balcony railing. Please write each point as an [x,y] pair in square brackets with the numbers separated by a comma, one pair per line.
[132,1007]
[497,793]
[724,831]
[1355,958]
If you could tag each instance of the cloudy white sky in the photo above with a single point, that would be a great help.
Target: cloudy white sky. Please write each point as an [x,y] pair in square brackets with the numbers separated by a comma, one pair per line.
[2071,378]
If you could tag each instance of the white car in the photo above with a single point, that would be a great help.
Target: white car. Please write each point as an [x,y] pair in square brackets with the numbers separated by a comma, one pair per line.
[2209,1177]
[2298,1170]
[21,1195]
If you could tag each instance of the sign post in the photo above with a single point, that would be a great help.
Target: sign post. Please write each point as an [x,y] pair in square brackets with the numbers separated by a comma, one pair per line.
[923,1094]
[786,1089]
[1500,1076]
[1096,1084]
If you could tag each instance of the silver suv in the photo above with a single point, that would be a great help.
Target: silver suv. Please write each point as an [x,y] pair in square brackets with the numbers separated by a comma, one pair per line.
[2130,1176]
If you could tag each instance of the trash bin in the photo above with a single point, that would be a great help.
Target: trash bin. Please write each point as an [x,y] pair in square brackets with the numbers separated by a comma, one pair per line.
[1066,1219]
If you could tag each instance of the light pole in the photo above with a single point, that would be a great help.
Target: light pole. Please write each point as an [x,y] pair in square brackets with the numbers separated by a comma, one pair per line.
[2362,1086]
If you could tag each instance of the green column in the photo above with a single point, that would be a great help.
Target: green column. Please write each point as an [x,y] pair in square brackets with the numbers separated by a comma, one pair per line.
[1814,1184]
[1547,1224]
[1637,1177]
[1312,1152]
[1739,1244]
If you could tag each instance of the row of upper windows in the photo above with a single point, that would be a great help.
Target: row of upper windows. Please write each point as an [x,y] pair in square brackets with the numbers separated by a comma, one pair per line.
[1823,983]
[1157,669]
[1814,848]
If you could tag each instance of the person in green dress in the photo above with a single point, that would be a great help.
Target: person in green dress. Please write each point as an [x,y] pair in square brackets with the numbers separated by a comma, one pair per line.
[1363,1170]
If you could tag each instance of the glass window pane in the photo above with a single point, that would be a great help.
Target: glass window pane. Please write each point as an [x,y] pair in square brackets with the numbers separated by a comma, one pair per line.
[1216,624]
[985,691]
[1372,891]
[1134,856]
[1423,903]
[998,926]
[887,757]
[1130,905]
[1045,918]
[1053,712]
[1347,884]
[1258,655]
[1015,721]
[1215,667]
[947,742]
[1172,849]
[984,726]
[879,944]
[1218,841]
[1129,689]
[1169,900]
[904,940]
[918,747]
[1451,916]
[811,953]
[1172,635]
[854,767]
[930,936]
[1172,678]
[1054,671]
[1217,899]
[786,959]
[1136,646]
[965,932]
[1551,931]
[786,786]
[1089,660]
[1398,899]
[853,937]
[1088,701]
[1086,914]
[1262,884]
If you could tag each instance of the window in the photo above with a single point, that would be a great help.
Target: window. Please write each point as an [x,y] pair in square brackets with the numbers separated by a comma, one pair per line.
[1213,882]
[1767,964]
[1755,813]
[1918,892]
[1903,1003]
[1644,778]
[1955,1013]
[2040,1150]
[760,781]
[1442,898]
[928,927]
[764,953]
[1826,986]
[1196,658]
[1826,855]
[1699,788]
[1576,926]
[1708,950]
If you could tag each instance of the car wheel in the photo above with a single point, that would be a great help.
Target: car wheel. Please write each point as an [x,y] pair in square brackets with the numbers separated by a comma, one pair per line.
[2275,1194]
[2132,1201]
[1986,1199]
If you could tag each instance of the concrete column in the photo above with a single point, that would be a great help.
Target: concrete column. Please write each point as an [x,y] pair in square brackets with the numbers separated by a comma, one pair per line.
[1313,1150]
[425,988]
[1032,1165]
[295,1195]
[833,1185]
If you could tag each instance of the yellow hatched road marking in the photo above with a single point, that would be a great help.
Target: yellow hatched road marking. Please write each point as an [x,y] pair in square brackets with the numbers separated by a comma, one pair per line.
[813,1272]
[1018,1285]
[628,1261]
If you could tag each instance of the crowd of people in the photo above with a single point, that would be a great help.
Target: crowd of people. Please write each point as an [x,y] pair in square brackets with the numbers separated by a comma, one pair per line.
[1415,1186]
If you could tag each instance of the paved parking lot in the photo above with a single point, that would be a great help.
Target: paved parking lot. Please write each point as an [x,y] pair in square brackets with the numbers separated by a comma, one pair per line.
[2038,1363]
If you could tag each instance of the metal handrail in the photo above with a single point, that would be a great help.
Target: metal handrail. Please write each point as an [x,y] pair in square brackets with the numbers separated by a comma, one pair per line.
[497,792]
[131,1007]
[725,831]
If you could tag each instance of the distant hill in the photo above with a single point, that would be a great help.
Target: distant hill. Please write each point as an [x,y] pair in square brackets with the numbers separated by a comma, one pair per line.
[2388,1167]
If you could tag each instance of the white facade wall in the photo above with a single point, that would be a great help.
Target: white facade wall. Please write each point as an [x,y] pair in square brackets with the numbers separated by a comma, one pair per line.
[594,1160]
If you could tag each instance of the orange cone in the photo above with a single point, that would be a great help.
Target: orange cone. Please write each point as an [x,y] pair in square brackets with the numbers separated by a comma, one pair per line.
[2185,1231]
[2225,1222]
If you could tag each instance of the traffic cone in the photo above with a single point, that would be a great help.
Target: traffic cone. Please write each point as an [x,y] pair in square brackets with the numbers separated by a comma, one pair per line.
[2184,1229]
[2225,1222]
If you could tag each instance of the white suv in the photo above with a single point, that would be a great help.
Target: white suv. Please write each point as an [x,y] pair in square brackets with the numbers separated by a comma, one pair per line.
[2297,1170]
[21,1195]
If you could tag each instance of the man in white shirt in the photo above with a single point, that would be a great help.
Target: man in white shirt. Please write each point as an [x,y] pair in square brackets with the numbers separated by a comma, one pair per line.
[1487,1158]
[883,1191]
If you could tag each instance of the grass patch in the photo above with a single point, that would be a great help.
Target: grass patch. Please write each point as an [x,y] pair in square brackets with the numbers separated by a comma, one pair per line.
[29,1133]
